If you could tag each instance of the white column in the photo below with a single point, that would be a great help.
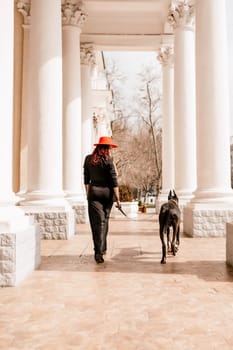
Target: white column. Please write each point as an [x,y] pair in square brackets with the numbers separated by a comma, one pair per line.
[19,237]
[44,197]
[87,65]
[45,122]
[73,17]
[212,207]
[24,9]
[213,122]
[181,17]
[6,101]
[165,56]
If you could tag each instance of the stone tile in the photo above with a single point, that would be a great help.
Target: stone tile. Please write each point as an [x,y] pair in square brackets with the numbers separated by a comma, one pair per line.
[129,302]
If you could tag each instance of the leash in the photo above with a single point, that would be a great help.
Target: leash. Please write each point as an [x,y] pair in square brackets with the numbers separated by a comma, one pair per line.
[121,210]
[125,215]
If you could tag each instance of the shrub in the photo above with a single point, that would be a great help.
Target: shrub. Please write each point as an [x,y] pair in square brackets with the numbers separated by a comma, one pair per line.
[126,194]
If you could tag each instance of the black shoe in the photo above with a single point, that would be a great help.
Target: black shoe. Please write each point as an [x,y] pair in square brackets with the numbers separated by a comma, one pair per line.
[99,258]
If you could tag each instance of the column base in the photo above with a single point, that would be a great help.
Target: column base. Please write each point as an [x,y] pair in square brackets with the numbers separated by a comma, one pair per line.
[185,197]
[75,197]
[81,212]
[9,200]
[163,198]
[54,222]
[213,196]
[78,203]
[52,212]
[19,246]
[44,199]
[207,219]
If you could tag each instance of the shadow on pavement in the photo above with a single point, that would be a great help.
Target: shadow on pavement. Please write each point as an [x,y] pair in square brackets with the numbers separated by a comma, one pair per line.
[133,260]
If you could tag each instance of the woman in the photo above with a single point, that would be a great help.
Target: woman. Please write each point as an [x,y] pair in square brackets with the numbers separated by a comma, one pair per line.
[101,186]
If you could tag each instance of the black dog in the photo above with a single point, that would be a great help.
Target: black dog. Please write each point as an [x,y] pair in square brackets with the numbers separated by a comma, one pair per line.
[169,216]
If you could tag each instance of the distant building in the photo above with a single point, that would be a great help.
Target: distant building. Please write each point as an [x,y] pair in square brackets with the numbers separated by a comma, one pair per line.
[149,199]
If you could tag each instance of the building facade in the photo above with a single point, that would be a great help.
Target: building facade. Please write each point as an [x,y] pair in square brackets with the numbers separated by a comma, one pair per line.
[51,115]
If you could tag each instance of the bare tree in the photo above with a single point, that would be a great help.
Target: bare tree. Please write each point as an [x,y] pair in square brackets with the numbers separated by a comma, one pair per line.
[116,80]
[136,127]
[148,109]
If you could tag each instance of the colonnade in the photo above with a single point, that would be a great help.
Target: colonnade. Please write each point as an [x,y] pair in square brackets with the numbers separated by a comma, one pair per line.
[19,237]
[56,109]
[196,155]
[53,118]
[56,128]
[56,123]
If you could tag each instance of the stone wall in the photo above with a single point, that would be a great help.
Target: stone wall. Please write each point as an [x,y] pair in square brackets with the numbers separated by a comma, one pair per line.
[19,255]
[206,223]
[81,213]
[55,224]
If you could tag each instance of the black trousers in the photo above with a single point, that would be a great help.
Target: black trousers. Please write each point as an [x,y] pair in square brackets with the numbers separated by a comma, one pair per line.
[100,201]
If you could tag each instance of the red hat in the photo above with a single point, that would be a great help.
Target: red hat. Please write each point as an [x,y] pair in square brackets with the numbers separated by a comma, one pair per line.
[105,140]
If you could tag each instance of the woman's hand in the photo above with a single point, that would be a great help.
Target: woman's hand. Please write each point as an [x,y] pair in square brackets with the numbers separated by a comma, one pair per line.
[87,188]
[117,197]
[118,205]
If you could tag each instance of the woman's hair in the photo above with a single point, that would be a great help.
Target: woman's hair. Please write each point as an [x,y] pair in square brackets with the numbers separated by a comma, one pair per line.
[100,153]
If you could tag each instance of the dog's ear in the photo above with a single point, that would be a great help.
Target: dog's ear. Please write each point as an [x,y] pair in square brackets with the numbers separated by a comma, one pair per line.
[174,195]
[170,195]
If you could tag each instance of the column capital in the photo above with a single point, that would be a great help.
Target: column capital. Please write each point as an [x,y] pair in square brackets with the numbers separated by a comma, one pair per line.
[166,56]
[73,13]
[181,14]
[87,54]
[24,7]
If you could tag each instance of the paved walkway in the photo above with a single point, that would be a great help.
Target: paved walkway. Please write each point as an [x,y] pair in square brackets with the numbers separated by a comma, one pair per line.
[131,302]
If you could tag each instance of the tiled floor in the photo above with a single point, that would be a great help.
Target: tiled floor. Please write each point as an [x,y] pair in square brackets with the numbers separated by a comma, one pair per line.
[131,302]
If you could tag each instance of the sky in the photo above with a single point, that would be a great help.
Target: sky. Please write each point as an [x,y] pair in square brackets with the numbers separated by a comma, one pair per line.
[130,64]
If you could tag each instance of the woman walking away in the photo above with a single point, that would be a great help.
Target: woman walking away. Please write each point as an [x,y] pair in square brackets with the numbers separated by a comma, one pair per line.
[100,179]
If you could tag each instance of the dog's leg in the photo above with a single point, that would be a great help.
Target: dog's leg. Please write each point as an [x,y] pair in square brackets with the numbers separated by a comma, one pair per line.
[174,239]
[168,240]
[162,231]
[178,237]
